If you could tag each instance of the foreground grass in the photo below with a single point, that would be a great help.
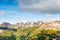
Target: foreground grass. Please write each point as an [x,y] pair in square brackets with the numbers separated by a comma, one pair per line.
[31,33]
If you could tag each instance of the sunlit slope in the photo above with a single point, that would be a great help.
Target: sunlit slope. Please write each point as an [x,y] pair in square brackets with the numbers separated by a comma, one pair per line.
[51,25]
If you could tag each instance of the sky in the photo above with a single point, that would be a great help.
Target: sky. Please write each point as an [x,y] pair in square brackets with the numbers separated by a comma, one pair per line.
[14,11]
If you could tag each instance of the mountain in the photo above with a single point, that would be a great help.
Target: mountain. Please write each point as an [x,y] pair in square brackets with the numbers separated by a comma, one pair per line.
[5,24]
[51,25]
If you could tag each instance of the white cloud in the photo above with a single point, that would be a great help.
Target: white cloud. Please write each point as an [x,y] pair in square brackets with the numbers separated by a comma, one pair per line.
[2,13]
[24,21]
[44,20]
[51,19]
[45,6]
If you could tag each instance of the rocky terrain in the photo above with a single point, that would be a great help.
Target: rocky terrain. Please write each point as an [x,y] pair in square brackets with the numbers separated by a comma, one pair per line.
[51,25]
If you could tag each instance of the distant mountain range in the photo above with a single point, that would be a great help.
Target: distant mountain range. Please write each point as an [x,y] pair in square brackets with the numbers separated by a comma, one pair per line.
[20,25]
[48,25]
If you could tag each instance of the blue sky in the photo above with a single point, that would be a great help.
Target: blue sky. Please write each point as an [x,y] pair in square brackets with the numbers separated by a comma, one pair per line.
[10,12]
